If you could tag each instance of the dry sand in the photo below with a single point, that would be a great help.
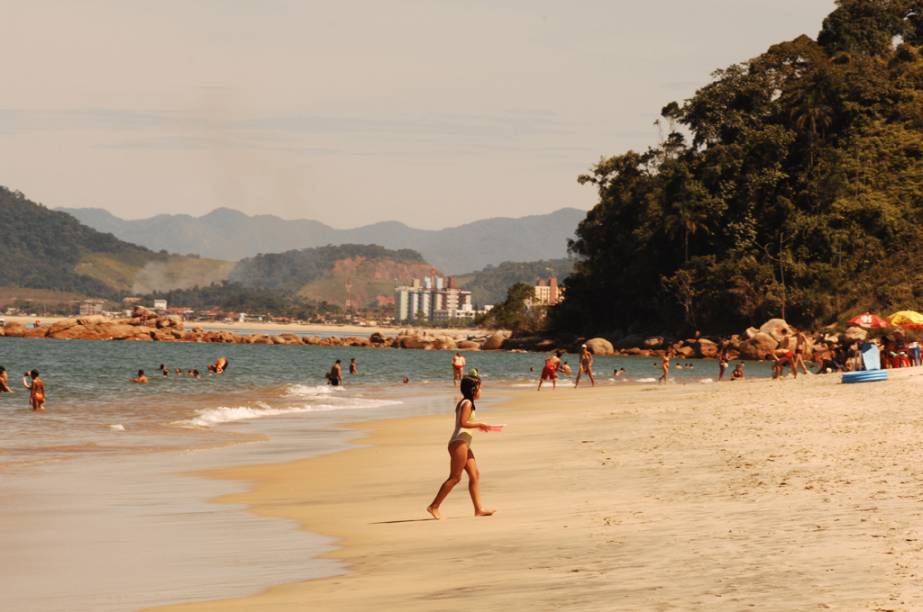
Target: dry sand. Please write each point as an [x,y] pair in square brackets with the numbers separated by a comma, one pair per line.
[795,495]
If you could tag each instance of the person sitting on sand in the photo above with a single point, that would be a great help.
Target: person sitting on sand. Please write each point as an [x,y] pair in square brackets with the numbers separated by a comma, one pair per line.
[550,371]
[738,372]
[586,366]
[406,380]
[458,368]
[140,379]
[4,381]
[36,386]
[460,456]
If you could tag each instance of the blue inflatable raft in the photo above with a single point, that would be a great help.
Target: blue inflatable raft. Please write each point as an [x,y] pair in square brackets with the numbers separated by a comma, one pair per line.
[865,376]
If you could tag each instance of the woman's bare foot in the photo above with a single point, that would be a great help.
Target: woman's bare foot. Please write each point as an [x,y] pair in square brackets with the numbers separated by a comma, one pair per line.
[434,511]
[483,512]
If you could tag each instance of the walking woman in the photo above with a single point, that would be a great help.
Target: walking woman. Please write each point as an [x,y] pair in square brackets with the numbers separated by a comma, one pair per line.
[460,456]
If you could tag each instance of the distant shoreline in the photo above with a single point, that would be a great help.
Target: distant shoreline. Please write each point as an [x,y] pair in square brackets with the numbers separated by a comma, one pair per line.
[281,328]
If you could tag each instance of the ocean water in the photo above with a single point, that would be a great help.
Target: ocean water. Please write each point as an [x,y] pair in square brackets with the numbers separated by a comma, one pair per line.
[101,493]
[92,408]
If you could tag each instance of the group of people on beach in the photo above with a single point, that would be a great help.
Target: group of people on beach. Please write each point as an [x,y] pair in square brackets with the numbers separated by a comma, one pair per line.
[553,365]
[32,381]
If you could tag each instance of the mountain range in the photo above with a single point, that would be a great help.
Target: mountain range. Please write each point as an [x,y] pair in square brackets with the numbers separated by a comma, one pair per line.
[232,235]
[47,249]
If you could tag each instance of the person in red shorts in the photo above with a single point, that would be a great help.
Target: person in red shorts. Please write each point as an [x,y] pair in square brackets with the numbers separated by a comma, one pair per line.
[458,366]
[550,371]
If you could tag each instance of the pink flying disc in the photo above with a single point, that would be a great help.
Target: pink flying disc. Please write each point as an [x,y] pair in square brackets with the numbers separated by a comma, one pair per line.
[495,427]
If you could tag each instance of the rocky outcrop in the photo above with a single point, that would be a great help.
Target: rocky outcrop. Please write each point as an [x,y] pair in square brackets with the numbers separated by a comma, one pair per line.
[495,341]
[705,348]
[775,328]
[600,346]
[760,346]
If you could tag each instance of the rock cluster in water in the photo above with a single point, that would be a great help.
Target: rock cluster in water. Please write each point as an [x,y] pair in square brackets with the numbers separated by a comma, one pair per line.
[147,326]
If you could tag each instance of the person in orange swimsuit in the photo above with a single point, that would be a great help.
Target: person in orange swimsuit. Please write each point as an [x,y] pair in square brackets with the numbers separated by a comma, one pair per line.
[36,386]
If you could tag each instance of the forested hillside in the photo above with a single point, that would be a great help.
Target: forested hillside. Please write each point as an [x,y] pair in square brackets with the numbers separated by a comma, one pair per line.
[46,249]
[363,275]
[791,185]
[490,285]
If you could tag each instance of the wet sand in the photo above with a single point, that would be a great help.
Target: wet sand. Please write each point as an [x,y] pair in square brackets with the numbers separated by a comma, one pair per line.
[801,494]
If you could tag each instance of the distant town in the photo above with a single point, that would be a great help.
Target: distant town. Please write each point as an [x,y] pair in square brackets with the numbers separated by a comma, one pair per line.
[431,300]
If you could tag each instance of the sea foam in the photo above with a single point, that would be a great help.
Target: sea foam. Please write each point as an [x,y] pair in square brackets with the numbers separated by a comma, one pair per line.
[210,417]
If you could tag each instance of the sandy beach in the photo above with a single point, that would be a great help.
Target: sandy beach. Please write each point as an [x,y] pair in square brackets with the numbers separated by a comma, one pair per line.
[802,494]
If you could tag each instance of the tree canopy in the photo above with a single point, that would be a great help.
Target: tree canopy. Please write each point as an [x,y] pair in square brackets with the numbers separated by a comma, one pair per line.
[791,185]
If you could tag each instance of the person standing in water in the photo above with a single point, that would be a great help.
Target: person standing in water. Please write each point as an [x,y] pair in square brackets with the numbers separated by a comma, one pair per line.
[460,456]
[586,366]
[458,366]
[665,367]
[4,381]
[335,375]
[353,367]
[722,361]
[36,386]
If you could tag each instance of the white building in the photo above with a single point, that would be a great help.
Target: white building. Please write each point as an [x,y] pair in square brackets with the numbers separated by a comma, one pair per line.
[432,299]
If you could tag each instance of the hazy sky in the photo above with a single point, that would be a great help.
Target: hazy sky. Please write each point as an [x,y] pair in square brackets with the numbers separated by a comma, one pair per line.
[431,112]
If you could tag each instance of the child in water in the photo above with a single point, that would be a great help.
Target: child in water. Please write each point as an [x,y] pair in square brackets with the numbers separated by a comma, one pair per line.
[36,386]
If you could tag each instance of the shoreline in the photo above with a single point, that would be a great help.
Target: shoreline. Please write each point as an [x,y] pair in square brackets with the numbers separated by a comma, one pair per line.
[303,328]
[612,498]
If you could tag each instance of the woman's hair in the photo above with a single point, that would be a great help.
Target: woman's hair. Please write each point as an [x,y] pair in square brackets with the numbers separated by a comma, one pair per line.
[469,385]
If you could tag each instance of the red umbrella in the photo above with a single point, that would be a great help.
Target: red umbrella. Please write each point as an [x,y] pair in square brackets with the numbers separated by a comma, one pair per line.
[869,321]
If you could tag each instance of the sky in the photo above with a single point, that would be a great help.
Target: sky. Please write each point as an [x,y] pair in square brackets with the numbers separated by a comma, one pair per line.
[429,112]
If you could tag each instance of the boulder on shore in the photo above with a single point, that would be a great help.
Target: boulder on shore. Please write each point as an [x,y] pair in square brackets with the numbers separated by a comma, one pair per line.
[468,345]
[777,328]
[140,312]
[600,346]
[495,340]
[760,346]
[706,348]
[14,330]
